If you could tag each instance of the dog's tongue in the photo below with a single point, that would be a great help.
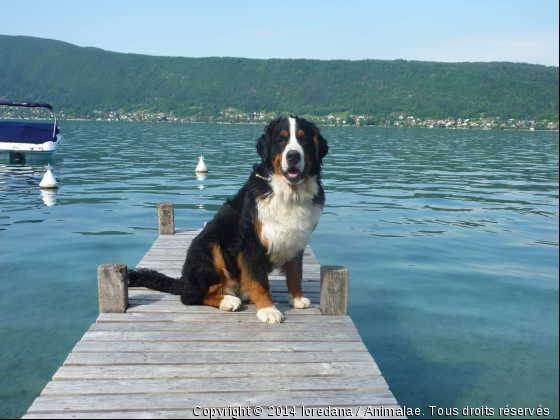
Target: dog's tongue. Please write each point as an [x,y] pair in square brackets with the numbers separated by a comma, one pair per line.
[293,172]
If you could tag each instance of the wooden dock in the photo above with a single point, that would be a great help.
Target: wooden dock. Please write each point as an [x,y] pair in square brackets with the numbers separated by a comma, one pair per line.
[160,359]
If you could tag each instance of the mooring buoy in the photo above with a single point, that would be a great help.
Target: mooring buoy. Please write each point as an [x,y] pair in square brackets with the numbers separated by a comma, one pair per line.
[201,167]
[49,182]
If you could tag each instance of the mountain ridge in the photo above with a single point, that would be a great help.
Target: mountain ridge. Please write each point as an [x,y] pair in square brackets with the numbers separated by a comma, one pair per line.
[83,79]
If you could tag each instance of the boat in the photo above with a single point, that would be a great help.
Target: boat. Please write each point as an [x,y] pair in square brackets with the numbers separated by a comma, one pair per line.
[22,141]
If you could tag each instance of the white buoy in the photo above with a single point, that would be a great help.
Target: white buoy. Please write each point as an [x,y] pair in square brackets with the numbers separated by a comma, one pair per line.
[201,167]
[49,181]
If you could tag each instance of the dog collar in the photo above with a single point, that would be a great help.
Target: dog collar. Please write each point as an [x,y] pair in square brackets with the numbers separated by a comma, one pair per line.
[261,177]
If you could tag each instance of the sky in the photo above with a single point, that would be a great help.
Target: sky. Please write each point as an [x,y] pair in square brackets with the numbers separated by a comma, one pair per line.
[431,30]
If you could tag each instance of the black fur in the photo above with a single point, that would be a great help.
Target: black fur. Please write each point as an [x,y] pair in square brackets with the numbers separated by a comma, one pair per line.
[233,226]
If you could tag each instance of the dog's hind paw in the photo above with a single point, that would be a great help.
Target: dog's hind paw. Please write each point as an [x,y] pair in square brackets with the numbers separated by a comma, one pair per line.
[299,303]
[230,303]
[270,315]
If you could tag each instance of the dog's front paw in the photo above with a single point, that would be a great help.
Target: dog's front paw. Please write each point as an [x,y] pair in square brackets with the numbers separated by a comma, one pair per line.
[230,303]
[299,303]
[270,315]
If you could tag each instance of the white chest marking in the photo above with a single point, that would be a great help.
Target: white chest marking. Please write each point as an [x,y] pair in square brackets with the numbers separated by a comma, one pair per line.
[288,218]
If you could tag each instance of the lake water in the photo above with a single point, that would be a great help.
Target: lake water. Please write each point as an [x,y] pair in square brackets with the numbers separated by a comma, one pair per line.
[451,239]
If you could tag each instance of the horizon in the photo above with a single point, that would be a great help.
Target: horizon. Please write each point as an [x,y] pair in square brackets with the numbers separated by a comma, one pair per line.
[500,31]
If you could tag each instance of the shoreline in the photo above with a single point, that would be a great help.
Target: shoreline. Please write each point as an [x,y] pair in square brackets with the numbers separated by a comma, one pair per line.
[319,125]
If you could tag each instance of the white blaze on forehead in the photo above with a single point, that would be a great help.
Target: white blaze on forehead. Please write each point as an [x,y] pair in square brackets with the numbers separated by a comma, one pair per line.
[293,144]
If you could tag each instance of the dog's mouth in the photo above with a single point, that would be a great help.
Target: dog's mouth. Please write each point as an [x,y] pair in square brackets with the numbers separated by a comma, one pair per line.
[293,175]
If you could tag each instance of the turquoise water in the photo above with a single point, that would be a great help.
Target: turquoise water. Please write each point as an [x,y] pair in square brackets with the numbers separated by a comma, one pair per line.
[451,239]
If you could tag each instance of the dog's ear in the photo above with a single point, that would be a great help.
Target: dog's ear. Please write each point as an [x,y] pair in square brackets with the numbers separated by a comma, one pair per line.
[262,146]
[321,146]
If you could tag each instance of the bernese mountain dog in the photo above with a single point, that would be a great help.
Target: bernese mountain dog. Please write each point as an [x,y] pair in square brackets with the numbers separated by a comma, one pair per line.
[266,225]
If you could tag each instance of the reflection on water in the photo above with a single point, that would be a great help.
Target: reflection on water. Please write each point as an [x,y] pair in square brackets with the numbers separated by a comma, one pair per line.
[201,176]
[49,196]
[451,239]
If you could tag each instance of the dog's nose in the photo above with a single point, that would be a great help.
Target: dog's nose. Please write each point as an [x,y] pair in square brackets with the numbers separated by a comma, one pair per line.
[293,157]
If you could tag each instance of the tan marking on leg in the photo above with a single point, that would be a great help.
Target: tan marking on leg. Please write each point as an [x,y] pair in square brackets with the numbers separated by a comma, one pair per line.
[220,266]
[293,280]
[293,277]
[258,294]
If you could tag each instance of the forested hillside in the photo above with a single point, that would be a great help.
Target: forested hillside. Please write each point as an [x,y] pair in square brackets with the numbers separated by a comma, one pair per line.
[80,80]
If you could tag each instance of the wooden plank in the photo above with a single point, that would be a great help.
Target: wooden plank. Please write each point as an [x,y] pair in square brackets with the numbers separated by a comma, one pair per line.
[241,318]
[261,336]
[183,233]
[279,290]
[307,276]
[174,305]
[122,359]
[178,265]
[161,256]
[215,327]
[170,402]
[280,297]
[301,413]
[140,295]
[177,307]
[174,252]
[190,386]
[245,370]
[213,347]
[307,279]
[309,287]
[161,249]
[276,287]
[180,240]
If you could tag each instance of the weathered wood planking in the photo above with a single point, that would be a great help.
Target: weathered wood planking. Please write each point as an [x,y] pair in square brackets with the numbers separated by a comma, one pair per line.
[239,318]
[149,306]
[124,359]
[213,327]
[251,370]
[191,386]
[213,347]
[170,402]
[161,359]
[358,413]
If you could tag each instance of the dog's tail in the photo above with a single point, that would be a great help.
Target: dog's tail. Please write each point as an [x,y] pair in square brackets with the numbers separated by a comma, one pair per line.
[143,277]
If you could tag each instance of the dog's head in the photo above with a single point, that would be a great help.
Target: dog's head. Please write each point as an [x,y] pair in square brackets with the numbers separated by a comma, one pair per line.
[292,148]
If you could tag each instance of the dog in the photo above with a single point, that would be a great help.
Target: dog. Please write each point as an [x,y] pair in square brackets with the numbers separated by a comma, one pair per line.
[266,225]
